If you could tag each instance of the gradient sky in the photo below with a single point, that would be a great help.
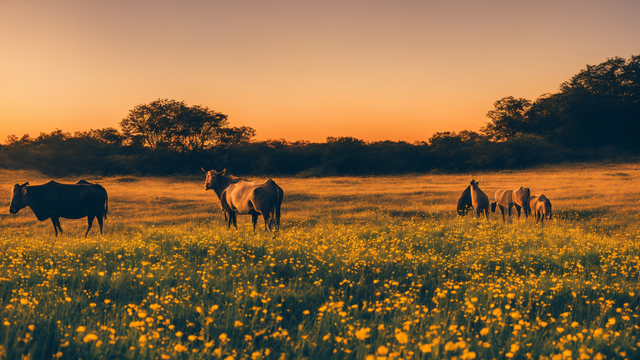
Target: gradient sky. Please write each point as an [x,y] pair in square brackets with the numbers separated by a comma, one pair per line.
[299,70]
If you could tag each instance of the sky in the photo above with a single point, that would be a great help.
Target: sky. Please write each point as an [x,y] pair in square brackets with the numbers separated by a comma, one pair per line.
[298,70]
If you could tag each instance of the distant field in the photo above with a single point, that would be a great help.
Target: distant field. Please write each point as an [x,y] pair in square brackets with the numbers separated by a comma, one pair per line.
[364,267]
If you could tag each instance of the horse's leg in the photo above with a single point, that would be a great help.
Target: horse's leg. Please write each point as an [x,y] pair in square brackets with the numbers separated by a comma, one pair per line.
[502,211]
[254,219]
[517,210]
[267,221]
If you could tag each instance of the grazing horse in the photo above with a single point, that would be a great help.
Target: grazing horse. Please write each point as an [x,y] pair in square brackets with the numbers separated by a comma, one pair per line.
[504,200]
[479,200]
[54,201]
[247,197]
[521,200]
[541,208]
[464,203]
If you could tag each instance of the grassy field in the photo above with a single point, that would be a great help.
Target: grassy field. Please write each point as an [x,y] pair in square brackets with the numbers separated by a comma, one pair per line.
[363,268]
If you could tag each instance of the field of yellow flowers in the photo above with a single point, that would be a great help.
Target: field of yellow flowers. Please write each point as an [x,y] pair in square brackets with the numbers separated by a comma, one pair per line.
[363,268]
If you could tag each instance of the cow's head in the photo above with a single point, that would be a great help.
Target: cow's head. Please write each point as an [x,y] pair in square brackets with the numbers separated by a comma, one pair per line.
[212,178]
[19,198]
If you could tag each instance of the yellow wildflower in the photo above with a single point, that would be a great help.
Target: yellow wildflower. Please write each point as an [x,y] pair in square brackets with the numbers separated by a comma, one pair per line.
[383,350]
[402,337]
[363,333]
[180,348]
[90,337]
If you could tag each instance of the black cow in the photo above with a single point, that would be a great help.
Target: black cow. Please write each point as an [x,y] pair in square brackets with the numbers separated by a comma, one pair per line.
[54,200]
[464,203]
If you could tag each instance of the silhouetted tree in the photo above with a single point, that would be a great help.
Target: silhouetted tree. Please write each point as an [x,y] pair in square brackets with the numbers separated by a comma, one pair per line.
[507,119]
[172,124]
[107,135]
[235,135]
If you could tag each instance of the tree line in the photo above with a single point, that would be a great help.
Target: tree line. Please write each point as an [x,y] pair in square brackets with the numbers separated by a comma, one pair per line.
[594,116]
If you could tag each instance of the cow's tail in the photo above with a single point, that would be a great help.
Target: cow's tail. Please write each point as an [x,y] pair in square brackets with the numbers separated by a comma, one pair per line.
[278,202]
[106,204]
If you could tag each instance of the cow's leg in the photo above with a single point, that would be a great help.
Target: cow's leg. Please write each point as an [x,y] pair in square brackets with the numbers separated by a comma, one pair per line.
[100,222]
[55,227]
[254,219]
[56,224]
[90,222]
[502,211]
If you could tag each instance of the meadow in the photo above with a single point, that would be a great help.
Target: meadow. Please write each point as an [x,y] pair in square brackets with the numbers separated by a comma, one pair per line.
[363,268]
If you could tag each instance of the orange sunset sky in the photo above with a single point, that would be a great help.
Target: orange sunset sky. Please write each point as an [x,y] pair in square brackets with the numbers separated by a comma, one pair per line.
[299,70]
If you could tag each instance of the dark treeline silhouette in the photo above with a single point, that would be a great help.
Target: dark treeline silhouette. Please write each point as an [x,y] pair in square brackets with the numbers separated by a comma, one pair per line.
[594,116]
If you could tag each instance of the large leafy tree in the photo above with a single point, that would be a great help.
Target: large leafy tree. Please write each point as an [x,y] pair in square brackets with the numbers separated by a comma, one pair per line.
[507,119]
[173,124]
